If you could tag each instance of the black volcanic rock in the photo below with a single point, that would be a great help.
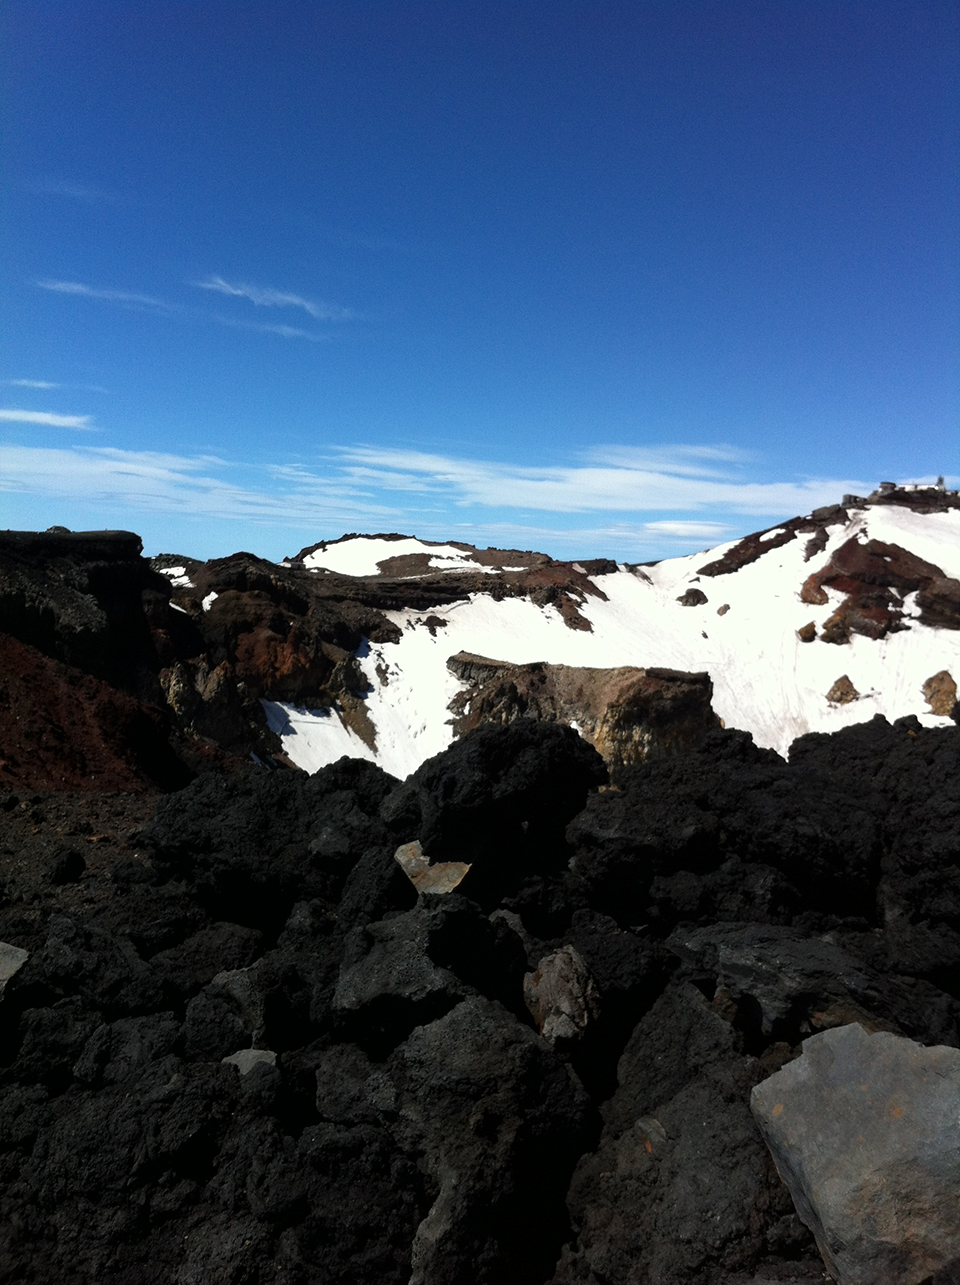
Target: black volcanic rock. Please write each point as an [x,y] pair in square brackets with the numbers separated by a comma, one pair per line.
[499,798]
[729,831]
[86,598]
[252,846]
[397,1116]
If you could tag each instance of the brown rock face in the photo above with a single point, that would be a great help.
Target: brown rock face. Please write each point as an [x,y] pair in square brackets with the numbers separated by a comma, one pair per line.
[627,714]
[748,550]
[939,603]
[940,693]
[63,729]
[561,996]
[842,692]
[875,578]
[806,633]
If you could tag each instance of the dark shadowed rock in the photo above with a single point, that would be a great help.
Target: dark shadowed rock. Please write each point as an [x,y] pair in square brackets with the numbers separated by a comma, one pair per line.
[252,846]
[499,1121]
[865,1131]
[499,799]
[729,832]
[680,1188]
[413,967]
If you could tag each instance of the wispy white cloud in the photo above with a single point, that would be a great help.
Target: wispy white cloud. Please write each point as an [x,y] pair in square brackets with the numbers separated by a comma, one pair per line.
[688,530]
[111,296]
[680,460]
[265,328]
[668,483]
[48,418]
[265,297]
[193,486]
[585,510]
[132,299]
[46,384]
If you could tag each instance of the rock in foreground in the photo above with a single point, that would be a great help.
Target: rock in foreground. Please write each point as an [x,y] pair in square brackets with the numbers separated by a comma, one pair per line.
[865,1131]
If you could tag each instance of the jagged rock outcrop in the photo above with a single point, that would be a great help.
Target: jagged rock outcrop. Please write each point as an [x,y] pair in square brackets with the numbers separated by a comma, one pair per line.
[627,714]
[754,546]
[875,577]
[88,599]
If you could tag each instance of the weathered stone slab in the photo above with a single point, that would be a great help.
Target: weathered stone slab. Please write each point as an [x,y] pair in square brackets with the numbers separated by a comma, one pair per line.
[439,878]
[246,1059]
[12,959]
[865,1132]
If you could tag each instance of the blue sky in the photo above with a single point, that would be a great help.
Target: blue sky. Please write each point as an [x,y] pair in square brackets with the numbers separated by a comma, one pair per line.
[584,277]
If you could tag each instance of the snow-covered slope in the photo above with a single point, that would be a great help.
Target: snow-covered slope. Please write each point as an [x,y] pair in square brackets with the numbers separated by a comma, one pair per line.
[745,635]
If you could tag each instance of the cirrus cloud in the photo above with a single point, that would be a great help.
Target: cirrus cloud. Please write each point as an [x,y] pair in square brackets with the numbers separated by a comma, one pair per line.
[111,296]
[47,418]
[266,297]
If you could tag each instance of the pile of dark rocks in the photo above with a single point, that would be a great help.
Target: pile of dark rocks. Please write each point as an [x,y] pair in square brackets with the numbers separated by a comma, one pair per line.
[254,1054]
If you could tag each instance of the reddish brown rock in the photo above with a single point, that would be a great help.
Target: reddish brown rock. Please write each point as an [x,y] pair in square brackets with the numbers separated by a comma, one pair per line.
[939,603]
[806,633]
[875,577]
[627,714]
[842,692]
[748,550]
[63,729]
[816,544]
[811,592]
[940,693]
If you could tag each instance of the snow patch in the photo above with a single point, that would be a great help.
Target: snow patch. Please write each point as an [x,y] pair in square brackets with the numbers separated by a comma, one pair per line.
[209,600]
[312,738]
[361,556]
[177,576]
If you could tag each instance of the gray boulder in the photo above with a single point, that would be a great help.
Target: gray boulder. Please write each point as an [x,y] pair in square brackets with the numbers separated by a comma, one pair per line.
[12,959]
[865,1132]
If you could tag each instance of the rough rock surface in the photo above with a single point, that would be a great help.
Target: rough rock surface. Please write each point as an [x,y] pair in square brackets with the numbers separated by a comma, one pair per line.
[843,691]
[412,1122]
[560,995]
[627,714]
[63,729]
[875,577]
[865,1131]
[940,693]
